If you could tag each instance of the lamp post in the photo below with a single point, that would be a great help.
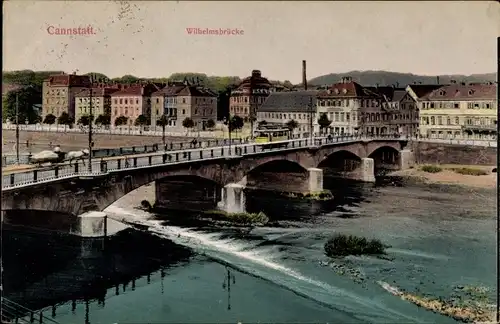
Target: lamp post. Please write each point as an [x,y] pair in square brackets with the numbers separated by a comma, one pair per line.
[17,128]
[90,125]
[227,121]
[311,119]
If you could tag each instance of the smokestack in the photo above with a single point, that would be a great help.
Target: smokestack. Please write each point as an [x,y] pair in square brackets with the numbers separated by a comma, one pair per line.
[304,78]
[437,79]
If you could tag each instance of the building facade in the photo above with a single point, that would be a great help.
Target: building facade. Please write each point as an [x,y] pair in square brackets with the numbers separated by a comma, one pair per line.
[281,107]
[101,101]
[352,109]
[460,110]
[131,102]
[58,93]
[250,94]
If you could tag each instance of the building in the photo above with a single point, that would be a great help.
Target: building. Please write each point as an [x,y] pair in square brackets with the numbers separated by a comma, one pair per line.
[58,93]
[460,110]
[352,109]
[101,100]
[178,101]
[197,103]
[400,114]
[249,95]
[132,101]
[281,107]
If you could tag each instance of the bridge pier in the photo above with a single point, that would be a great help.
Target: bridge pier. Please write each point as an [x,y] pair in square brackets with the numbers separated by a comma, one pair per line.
[367,170]
[406,159]
[315,180]
[233,198]
[91,224]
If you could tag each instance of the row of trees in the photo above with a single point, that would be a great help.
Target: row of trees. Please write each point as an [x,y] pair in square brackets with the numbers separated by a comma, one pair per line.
[323,122]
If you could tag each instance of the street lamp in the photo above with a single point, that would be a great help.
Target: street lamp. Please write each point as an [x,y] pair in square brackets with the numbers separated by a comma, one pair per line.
[17,128]
[227,121]
[90,124]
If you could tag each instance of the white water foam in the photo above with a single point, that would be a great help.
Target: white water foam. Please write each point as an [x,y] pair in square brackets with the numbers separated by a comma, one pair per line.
[212,245]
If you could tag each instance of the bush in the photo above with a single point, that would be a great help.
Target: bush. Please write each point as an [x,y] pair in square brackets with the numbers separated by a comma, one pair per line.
[470,171]
[240,218]
[431,168]
[344,245]
[146,205]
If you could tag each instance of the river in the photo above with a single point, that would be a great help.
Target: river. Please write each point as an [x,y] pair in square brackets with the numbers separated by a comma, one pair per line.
[184,270]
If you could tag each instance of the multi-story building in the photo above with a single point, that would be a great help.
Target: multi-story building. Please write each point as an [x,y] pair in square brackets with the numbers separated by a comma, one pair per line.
[58,93]
[197,103]
[101,101]
[399,113]
[249,95]
[281,107]
[352,108]
[460,110]
[179,101]
[132,101]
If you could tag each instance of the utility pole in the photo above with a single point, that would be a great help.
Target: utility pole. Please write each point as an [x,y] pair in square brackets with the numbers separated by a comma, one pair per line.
[311,130]
[17,128]
[90,127]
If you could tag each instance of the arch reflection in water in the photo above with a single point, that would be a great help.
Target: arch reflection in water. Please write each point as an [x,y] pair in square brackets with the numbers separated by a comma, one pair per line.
[43,271]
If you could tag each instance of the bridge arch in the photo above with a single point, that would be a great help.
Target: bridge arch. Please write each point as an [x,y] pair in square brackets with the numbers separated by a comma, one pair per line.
[277,175]
[385,157]
[339,162]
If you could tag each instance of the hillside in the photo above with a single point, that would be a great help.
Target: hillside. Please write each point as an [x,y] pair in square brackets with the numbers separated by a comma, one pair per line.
[371,78]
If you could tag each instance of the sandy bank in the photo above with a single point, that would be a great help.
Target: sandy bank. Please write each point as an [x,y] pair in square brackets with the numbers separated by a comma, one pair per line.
[447,176]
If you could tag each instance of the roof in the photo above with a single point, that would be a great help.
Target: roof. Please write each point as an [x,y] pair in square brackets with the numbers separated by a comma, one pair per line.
[293,101]
[477,91]
[170,90]
[184,90]
[71,80]
[137,90]
[97,92]
[421,90]
[256,80]
[347,90]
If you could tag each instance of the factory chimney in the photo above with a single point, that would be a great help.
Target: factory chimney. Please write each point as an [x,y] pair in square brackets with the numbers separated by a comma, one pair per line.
[304,78]
[437,79]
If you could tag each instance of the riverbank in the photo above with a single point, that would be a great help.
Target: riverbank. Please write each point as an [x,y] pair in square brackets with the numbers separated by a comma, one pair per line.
[448,176]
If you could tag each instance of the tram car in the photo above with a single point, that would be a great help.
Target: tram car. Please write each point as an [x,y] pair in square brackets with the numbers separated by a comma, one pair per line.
[272,137]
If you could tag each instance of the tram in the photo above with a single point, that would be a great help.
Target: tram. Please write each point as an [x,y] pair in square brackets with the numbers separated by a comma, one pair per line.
[272,136]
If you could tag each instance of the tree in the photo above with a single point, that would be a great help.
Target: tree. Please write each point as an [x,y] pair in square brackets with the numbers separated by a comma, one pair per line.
[323,121]
[85,120]
[210,124]
[141,120]
[291,125]
[120,121]
[97,76]
[163,122]
[104,120]
[49,119]
[27,97]
[65,119]
[188,123]
[236,123]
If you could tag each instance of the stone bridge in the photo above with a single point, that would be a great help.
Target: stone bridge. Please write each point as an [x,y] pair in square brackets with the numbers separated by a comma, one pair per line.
[297,169]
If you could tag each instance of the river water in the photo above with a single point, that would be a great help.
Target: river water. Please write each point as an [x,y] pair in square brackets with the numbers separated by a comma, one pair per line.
[186,270]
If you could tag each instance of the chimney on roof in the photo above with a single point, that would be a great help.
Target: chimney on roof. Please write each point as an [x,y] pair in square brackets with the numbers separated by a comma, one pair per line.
[376,85]
[437,79]
[304,75]
[256,74]
[453,81]
[462,83]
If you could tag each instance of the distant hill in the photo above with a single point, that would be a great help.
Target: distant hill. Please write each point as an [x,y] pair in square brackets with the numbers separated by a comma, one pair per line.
[371,78]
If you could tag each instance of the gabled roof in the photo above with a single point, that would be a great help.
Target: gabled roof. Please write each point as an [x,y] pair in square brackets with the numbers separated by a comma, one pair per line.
[420,90]
[170,90]
[347,90]
[472,91]
[137,90]
[290,101]
[97,92]
[71,80]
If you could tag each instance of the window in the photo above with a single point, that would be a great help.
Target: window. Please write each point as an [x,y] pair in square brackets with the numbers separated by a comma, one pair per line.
[183,100]
[121,101]
[126,102]
[336,116]
[183,111]
[433,120]
[347,117]
[136,101]
[448,121]
[157,100]
[456,105]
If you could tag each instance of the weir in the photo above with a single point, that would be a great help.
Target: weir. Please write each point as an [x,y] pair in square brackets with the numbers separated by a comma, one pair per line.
[233,198]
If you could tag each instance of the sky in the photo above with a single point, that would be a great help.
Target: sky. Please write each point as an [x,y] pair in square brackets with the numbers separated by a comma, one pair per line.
[150,38]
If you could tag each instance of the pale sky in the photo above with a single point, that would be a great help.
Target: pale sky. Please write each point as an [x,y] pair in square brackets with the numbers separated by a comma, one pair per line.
[149,39]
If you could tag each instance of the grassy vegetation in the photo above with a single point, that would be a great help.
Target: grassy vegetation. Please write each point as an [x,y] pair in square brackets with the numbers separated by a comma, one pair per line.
[320,195]
[431,168]
[343,245]
[470,171]
[240,218]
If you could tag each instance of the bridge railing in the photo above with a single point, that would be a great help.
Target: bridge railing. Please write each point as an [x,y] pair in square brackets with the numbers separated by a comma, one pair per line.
[469,142]
[45,175]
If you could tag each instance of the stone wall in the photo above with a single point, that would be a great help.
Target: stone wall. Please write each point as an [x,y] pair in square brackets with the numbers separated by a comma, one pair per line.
[439,153]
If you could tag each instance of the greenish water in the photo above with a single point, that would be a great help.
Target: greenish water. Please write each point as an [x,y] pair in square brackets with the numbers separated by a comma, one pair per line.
[440,237]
